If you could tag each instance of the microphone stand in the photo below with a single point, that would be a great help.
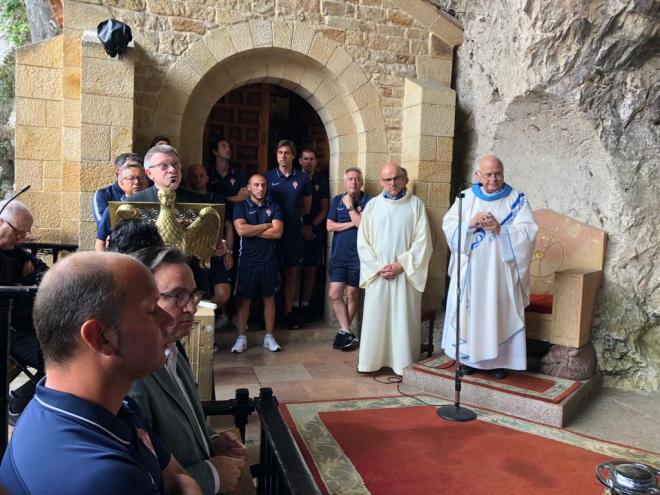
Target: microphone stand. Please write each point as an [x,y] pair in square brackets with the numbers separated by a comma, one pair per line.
[456,412]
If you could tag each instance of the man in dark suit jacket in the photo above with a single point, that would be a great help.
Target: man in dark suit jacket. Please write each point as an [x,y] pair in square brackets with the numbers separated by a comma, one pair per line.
[162,165]
[168,397]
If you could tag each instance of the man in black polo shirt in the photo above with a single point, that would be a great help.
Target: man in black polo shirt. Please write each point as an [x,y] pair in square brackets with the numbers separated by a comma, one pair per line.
[258,222]
[291,190]
[314,232]
[223,177]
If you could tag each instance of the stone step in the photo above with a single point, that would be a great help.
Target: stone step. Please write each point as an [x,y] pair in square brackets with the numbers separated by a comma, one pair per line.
[558,415]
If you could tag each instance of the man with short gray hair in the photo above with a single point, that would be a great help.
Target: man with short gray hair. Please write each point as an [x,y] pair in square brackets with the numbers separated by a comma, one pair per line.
[343,220]
[20,267]
[162,165]
[113,192]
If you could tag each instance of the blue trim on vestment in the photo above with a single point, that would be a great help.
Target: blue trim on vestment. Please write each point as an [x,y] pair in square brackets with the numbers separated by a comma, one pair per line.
[506,190]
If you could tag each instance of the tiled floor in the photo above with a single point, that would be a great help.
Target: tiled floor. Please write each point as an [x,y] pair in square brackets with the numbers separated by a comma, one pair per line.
[303,371]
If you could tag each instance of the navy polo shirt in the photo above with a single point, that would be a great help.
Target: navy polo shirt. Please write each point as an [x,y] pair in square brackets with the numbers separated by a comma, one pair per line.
[101,198]
[344,243]
[230,184]
[288,192]
[320,190]
[63,444]
[256,250]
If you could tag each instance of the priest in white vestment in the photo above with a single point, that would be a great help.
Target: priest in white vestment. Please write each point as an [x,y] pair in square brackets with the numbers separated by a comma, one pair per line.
[394,246]
[496,245]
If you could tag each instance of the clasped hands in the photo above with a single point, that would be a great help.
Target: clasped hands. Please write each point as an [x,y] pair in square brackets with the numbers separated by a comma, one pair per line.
[390,271]
[485,220]
[229,459]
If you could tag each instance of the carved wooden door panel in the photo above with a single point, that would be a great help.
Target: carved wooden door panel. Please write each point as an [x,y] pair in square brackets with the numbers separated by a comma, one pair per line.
[238,117]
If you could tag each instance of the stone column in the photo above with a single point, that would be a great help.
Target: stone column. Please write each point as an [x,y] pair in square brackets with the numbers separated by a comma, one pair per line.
[106,122]
[428,130]
[39,134]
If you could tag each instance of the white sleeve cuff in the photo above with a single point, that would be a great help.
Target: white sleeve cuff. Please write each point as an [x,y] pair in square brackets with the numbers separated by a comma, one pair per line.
[216,477]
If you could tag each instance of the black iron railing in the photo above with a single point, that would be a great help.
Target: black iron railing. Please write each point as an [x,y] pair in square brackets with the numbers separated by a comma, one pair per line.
[49,249]
[282,469]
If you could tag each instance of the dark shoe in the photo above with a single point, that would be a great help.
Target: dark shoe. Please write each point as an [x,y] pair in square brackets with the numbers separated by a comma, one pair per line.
[499,373]
[340,340]
[292,321]
[468,370]
[352,343]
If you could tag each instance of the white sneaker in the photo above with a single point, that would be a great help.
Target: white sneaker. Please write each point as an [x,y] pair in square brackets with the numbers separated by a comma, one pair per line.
[221,321]
[240,345]
[271,344]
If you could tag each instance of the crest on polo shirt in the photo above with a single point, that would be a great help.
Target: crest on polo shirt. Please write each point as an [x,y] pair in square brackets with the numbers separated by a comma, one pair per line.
[269,211]
[295,184]
[232,181]
[317,187]
[144,436]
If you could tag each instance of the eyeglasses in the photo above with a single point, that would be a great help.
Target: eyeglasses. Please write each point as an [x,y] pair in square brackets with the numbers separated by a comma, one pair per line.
[135,178]
[183,298]
[165,165]
[19,233]
[396,178]
[497,175]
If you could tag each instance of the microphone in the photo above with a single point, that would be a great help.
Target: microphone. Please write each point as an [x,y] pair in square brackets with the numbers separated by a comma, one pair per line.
[461,187]
[14,197]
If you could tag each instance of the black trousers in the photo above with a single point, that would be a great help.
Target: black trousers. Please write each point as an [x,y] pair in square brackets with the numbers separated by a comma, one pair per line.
[25,350]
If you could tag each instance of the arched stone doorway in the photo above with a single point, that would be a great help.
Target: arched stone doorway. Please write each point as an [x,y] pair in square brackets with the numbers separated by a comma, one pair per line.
[317,69]
[254,117]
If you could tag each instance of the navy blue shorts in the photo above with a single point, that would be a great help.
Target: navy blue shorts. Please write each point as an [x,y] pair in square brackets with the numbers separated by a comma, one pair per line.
[218,274]
[345,274]
[254,281]
[290,250]
[313,251]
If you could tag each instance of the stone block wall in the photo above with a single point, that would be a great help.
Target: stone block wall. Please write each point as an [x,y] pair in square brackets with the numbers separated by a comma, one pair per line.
[39,111]
[350,59]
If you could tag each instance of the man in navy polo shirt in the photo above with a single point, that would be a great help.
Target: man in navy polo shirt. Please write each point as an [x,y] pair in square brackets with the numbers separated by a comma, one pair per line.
[259,223]
[291,190]
[344,267]
[113,192]
[314,233]
[223,177]
[80,434]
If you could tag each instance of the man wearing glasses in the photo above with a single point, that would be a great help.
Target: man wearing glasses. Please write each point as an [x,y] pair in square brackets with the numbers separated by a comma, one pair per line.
[113,192]
[168,397]
[131,180]
[162,164]
[19,267]
[496,245]
[394,245]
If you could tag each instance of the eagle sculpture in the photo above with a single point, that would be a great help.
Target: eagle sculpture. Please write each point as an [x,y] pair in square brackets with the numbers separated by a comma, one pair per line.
[198,239]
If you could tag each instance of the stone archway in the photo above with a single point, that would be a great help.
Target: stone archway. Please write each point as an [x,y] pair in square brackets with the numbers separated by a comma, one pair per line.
[294,56]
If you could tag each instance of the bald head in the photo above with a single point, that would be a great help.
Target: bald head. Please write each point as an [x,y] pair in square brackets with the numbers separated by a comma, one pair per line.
[392,179]
[80,287]
[490,174]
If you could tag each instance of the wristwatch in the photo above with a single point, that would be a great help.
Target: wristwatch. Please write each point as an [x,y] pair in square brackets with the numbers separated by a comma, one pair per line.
[229,251]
